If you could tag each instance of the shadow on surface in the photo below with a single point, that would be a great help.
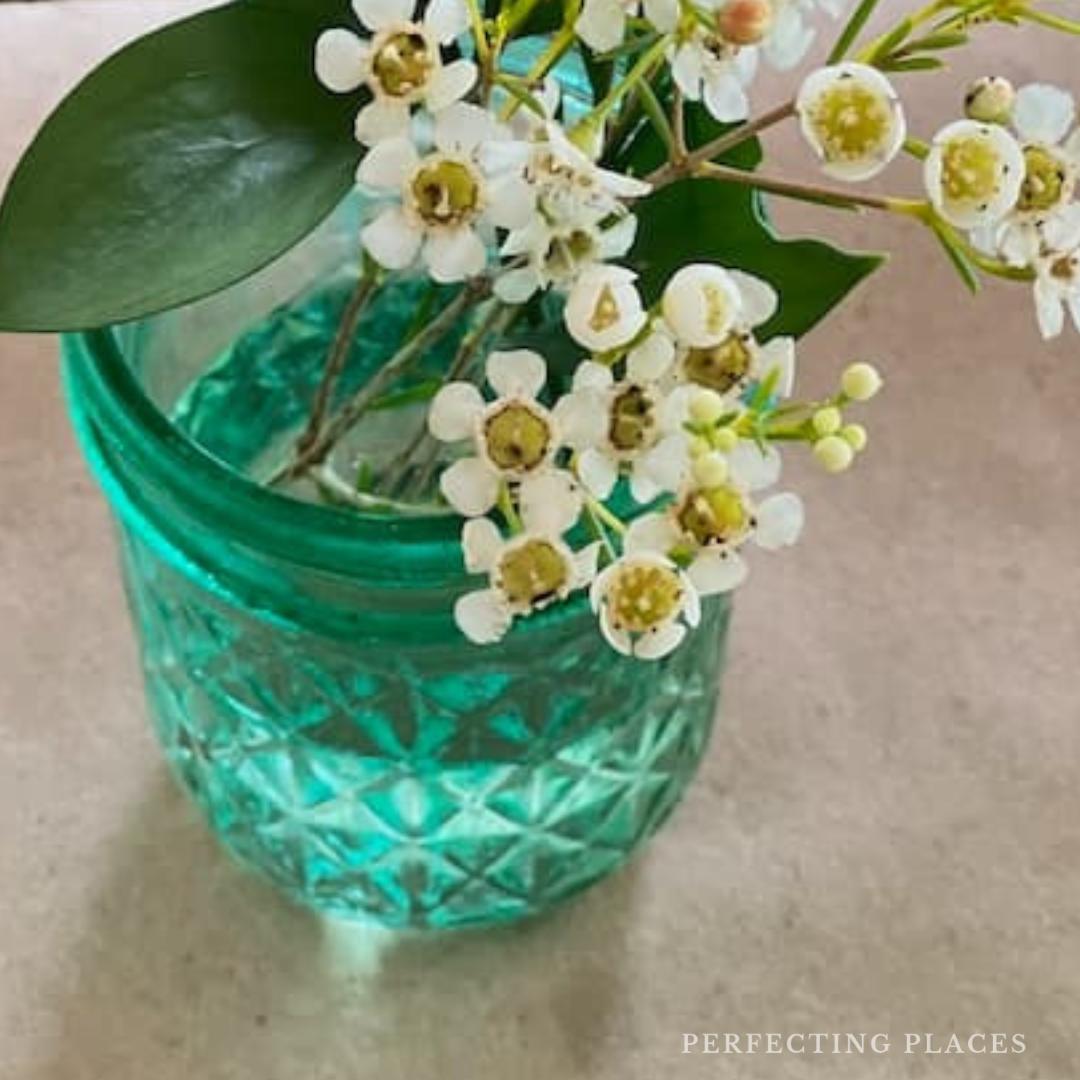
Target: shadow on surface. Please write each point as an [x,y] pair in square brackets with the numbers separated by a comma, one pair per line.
[190,967]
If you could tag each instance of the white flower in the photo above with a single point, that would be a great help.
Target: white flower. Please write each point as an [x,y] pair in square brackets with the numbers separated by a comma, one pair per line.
[514,437]
[1057,274]
[709,527]
[973,173]
[1042,117]
[401,64]
[446,199]
[526,573]
[703,302]
[707,68]
[852,118]
[646,605]
[604,310]
[602,23]
[791,35]
[738,363]
[626,423]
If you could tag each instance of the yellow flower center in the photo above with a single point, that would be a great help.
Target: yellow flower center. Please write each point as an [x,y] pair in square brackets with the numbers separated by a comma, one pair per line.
[1047,183]
[446,192]
[402,64]
[714,516]
[605,313]
[632,421]
[851,121]
[565,253]
[533,573]
[721,368]
[517,437]
[970,169]
[643,596]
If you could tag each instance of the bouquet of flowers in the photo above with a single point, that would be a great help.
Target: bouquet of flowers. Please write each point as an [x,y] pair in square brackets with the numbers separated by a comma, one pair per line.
[578,185]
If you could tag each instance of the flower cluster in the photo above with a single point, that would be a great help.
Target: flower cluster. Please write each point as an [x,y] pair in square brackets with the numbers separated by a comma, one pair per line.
[683,406]
[642,476]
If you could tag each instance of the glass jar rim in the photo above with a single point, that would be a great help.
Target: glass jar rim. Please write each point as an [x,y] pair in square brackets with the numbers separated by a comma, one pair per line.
[333,539]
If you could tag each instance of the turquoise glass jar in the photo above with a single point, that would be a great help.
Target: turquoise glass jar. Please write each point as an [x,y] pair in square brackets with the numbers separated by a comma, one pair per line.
[302,668]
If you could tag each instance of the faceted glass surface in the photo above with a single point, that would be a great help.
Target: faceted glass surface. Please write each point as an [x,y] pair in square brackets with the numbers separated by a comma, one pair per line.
[302,668]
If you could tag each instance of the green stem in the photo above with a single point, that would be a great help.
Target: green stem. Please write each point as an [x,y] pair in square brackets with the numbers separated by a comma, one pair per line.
[360,403]
[677,170]
[1054,22]
[557,48]
[638,74]
[508,510]
[810,193]
[605,515]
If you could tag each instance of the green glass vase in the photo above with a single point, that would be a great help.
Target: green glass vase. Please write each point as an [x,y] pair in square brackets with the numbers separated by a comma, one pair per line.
[302,668]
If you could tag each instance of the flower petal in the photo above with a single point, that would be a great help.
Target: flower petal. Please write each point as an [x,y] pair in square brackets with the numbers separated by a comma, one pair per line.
[391,240]
[590,375]
[482,616]
[446,20]
[760,300]
[454,412]
[658,643]
[388,164]
[686,70]
[470,487]
[340,60]
[779,521]
[725,98]
[581,418]
[375,14]
[779,355]
[598,472]
[716,571]
[511,203]
[666,464]
[1043,113]
[1048,310]
[516,372]
[619,640]
[585,562]
[753,468]
[650,360]
[516,286]
[550,502]
[663,14]
[455,254]
[601,24]
[450,83]
[651,532]
[460,128]
[481,543]
[379,120]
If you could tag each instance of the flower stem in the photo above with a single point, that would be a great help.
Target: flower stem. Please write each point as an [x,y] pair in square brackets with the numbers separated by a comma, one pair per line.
[1054,22]
[508,510]
[809,193]
[605,515]
[358,405]
[677,170]
[339,354]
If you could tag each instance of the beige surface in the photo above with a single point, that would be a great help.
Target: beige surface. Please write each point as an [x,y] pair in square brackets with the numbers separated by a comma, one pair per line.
[885,837]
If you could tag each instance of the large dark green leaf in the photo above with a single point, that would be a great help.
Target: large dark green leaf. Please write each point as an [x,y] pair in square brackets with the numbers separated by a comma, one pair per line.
[184,163]
[716,221]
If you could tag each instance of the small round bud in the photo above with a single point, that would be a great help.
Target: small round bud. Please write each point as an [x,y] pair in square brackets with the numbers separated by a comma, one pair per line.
[711,471]
[706,406]
[699,447]
[855,436]
[827,421]
[745,22]
[834,454]
[726,439]
[861,382]
[989,100]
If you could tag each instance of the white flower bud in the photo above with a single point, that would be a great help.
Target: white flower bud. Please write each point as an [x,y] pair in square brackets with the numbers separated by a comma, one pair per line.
[699,447]
[604,310]
[726,439]
[855,436]
[827,421]
[701,303]
[711,471]
[706,406]
[990,100]
[834,454]
[861,382]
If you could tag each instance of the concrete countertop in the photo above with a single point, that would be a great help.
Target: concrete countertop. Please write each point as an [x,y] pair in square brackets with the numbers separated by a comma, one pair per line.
[884,838]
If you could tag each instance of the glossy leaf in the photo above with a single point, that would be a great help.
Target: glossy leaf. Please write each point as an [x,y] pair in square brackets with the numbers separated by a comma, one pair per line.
[716,221]
[184,163]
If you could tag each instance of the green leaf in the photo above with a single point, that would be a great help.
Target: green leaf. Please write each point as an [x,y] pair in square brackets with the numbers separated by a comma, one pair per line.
[716,221]
[904,64]
[961,263]
[184,163]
